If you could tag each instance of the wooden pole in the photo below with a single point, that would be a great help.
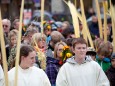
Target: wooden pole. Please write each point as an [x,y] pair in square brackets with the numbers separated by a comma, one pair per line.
[18,44]
[74,18]
[42,14]
[85,24]
[76,3]
[112,10]
[105,21]
[3,51]
[78,14]
[99,18]
[84,32]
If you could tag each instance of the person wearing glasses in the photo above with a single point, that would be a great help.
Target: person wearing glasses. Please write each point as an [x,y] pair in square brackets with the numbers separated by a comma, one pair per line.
[6,26]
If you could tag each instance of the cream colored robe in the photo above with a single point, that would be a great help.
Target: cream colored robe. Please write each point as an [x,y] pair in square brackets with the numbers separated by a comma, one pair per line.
[87,74]
[1,77]
[29,77]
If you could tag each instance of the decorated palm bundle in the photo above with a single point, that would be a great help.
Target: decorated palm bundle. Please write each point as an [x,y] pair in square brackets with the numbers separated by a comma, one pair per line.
[41,57]
[66,53]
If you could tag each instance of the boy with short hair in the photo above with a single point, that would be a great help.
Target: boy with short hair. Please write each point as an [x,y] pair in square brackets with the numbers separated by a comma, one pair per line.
[28,75]
[81,70]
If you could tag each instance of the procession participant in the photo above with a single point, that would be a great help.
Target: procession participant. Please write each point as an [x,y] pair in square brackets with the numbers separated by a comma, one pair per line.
[28,36]
[28,75]
[39,43]
[65,25]
[80,70]
[12,36]
[91,52]
[53,64]
[47,30]
[111,71]
[16,24]
[93,27]
[1,76]
[103,56]
[55,37]
[6,26]
[1,72]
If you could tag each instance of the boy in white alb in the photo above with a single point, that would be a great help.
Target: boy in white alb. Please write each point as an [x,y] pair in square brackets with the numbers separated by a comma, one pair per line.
[1,77]
[1,71]
[28,75]
[80,70]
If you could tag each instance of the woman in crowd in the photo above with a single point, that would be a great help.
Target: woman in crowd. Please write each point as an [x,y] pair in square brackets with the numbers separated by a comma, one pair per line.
[11,49]
[53,64]
[38,41]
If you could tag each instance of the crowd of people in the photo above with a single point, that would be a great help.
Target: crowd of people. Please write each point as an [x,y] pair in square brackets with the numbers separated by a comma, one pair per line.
[56,57]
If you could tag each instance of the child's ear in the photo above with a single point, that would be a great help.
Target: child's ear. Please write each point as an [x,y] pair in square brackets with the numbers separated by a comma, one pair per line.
[73,49]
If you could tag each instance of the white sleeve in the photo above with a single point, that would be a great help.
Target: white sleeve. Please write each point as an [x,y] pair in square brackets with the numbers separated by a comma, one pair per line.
[61,77]
[1,77]
[102,79]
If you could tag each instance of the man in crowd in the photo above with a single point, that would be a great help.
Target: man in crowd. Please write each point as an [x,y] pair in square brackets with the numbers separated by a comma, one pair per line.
[6,26]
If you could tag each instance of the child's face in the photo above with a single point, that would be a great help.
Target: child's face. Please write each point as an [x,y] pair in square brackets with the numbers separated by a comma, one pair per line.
[29,36]
[47,32]
[13,40]
[80,50]
[101,56]
[113,63]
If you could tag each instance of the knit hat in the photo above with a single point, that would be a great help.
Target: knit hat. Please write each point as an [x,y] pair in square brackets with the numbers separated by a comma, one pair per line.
[113,56]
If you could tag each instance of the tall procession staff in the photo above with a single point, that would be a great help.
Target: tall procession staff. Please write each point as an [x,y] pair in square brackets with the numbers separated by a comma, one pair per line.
[99,18]
[19,43]
[74,17]
[3,50]
[112,13]
[85,26]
